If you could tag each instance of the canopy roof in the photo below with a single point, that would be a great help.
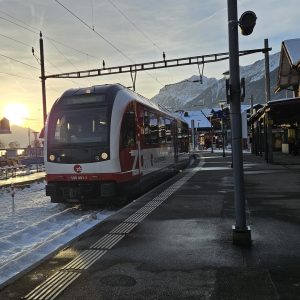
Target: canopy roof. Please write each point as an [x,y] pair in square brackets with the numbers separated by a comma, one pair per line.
[281,111]
[289,66]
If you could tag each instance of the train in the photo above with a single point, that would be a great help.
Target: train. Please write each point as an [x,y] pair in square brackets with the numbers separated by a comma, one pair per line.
[108,142]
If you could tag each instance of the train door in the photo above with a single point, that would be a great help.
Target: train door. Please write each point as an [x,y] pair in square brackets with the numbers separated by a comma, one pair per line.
[129,143]
[175,139]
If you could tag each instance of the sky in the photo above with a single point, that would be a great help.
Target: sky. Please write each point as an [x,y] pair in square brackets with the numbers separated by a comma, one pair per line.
[125,32]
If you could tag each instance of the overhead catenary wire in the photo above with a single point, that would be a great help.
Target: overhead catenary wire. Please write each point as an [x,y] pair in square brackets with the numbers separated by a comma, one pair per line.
[61,53]
[36,31]
[102,37]
[96,32]
[18,61]
[140,31]
[51,40]
[37,59]
[16,75]
[92,4]
[134,25]
[15,40]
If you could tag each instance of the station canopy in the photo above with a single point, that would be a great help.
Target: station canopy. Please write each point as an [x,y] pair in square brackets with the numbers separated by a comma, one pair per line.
[281,111]
[284,111]
[289,66]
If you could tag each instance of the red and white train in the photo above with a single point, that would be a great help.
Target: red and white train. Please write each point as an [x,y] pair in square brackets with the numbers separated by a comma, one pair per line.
[108,141]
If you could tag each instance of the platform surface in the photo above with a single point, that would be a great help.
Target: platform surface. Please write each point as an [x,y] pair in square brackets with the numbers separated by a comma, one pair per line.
[175,242]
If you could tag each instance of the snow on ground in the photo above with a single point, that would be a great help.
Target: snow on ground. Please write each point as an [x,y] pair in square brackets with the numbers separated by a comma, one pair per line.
[36,228]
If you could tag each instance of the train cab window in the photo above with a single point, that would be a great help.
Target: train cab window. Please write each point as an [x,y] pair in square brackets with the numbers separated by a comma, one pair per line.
[70,127]
[128,129]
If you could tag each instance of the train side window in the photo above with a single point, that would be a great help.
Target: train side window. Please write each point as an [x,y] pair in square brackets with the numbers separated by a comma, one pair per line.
[162,130]
[128,129]
[147,131]
[168,131]
[154,128]
[183,137]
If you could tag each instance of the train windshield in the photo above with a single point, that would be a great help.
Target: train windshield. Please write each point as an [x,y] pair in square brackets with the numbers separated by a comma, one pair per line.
[79,126]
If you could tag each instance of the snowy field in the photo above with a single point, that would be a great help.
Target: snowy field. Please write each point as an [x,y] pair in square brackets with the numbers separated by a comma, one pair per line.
[36,228]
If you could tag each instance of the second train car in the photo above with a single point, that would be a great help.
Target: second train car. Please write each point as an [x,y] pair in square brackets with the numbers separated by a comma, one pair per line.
[108,142]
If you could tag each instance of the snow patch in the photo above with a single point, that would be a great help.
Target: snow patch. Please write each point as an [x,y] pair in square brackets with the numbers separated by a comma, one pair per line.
[37,228]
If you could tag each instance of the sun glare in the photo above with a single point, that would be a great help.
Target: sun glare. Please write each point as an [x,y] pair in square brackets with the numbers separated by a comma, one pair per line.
[16,113]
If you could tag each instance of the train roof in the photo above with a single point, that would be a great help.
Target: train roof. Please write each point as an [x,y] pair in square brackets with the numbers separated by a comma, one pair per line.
[96,89]
[112,90]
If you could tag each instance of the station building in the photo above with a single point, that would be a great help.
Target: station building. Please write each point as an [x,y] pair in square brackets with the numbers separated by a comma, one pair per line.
[276,126]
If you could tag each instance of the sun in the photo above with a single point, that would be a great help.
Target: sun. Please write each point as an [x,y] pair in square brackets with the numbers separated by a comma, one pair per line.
[16,113]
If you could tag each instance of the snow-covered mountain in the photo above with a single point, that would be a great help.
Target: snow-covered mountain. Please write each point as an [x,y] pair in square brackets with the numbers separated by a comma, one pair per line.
[256,71]
[189,94]
[177,94]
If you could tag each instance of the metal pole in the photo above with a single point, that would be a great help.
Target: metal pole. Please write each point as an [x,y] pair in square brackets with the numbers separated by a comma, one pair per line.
[12,192]
[223,133]
[43,78]
[267,71]
[252,126]
[211,135]
[241,233]
[193,134]
[269,142]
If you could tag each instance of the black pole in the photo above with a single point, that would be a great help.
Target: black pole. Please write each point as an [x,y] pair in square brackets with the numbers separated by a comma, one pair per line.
[211,135]
[252,126]
[268,120]
[223,133]
[241,232]
[43,78]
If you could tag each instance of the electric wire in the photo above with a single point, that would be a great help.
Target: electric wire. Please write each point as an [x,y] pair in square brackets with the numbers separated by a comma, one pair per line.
[105,39]
[18,61]
[32,29]
[15,40]
[36,31]
[96,32]
[92,4]
[134,25]
[138,29]
[50,39]
[16,75]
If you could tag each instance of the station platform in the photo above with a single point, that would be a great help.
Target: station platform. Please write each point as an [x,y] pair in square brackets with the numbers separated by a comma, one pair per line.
[22,180]
[175,242]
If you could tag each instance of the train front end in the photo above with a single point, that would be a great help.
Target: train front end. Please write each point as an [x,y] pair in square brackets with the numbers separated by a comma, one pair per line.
[79,160]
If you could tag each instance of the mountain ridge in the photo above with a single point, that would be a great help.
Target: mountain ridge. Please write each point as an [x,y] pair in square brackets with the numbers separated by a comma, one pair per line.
[183,94]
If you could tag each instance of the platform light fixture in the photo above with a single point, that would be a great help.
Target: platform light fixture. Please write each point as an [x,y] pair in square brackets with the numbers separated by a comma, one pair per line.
[247,22]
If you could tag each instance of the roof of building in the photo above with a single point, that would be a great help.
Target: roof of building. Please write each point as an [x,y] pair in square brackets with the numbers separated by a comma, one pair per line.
[281,111]
[202,117]
[289,65]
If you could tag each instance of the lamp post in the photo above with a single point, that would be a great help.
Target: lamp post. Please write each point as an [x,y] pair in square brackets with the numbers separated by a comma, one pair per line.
[241,232]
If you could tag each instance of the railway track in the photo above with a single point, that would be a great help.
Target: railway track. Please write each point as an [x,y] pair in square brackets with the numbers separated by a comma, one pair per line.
[37,228]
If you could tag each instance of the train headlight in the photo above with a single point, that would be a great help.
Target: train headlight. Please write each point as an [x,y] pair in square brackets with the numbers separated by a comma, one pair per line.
[104,155]
[52,157]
